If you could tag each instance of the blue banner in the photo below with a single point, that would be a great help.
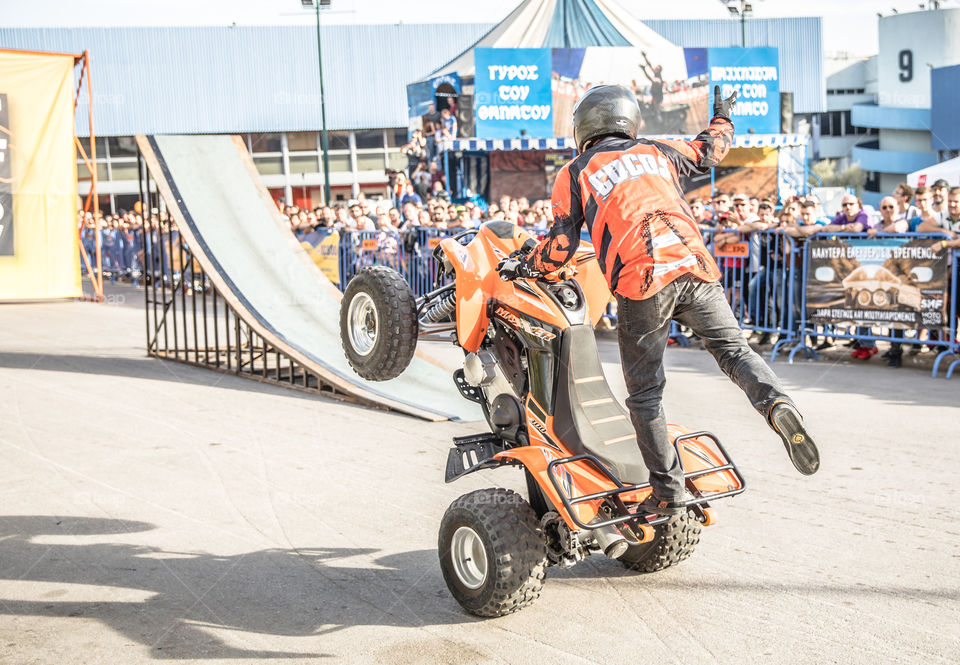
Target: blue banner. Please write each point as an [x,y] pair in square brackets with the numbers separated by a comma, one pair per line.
[754,74]
[512,97]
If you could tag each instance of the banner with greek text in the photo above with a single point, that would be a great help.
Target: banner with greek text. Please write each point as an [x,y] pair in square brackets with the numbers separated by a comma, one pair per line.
[512,97]
[753,73]
[890,282]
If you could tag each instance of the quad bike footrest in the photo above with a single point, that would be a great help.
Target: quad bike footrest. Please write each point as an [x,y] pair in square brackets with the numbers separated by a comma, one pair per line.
[698,501]
[472,393]
[472,453]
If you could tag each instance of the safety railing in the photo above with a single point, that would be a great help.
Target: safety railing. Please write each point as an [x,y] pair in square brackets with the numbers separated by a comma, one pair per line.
[758,277]
[766,276]
[906,307]
[410,253]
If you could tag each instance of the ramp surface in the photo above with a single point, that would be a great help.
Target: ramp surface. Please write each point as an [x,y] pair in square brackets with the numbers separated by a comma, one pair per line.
[231,224]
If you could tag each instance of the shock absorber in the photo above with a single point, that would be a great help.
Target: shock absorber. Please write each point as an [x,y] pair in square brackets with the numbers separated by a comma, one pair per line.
[442,309]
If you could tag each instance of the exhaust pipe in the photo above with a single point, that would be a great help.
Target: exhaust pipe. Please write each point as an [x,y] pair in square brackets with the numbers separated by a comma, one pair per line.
[611,541]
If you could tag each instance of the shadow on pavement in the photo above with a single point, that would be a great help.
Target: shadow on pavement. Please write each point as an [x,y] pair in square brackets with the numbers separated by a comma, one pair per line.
[275,592]
[144,368]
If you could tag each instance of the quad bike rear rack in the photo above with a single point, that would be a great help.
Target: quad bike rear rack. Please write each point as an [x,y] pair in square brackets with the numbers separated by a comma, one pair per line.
[698,503]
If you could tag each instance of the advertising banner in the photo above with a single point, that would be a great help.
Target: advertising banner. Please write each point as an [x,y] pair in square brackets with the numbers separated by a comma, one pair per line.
[40,255]
[6,182]
[754,74]
[530,93]
[424,94]
[512,96]
[889,282]
[670,84]
[323,246]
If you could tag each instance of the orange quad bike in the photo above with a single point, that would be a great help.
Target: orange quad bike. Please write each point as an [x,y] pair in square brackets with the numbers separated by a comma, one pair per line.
[531,363]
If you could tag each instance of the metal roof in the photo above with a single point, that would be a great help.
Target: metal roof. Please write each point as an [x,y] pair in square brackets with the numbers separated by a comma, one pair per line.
[258,79]
[264,79]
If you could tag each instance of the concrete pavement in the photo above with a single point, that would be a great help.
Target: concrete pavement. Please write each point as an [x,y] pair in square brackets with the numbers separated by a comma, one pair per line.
[153,511]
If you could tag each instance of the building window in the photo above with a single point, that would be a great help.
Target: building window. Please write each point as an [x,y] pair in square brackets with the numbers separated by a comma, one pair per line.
[369,139]
[303,164]
[101,147]
[265,143]
[371,161]
[339,163]
[302,141]
[126,170]
[122,146]
[338,140]
[269,165]
[397,137]
[398,161]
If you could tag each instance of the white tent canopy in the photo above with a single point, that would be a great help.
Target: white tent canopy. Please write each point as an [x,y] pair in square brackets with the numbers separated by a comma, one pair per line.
[948,170]
[528,26]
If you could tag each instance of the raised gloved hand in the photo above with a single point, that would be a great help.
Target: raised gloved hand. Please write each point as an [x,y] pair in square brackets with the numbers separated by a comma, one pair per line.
[513,268]
[723,108]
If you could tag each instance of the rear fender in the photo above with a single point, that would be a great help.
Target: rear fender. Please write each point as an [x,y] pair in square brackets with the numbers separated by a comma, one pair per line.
[535,459]
[700,453]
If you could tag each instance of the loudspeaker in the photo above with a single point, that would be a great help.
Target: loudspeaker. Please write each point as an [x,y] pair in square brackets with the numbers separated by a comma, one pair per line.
[786,113]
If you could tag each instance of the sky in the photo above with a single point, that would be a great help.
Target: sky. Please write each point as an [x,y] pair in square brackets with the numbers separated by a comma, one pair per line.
[850,26]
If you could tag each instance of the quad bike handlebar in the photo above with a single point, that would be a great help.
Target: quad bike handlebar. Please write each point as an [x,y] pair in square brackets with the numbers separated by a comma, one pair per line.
[516,266]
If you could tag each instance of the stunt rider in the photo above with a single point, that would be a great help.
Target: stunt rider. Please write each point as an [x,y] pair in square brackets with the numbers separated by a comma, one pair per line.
[627,192]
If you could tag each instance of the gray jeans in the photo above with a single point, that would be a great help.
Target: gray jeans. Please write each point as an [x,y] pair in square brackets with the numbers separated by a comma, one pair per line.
[643,327]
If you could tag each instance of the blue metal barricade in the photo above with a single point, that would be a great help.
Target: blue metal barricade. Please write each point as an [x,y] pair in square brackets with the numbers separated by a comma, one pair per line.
[758,274]
[954,348]
[410,253]
[763,274]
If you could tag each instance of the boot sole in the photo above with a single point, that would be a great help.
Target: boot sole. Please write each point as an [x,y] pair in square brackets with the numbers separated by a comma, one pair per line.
[800,446]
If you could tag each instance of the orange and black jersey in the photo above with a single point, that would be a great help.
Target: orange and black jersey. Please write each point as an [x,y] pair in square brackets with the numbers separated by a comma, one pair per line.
[627,192]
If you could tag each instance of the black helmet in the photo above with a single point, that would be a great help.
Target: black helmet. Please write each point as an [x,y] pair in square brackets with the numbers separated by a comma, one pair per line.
[605,110]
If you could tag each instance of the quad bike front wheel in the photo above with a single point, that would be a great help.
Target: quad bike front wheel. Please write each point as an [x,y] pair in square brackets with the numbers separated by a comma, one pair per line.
[378,323]
[673,541]
[492,552]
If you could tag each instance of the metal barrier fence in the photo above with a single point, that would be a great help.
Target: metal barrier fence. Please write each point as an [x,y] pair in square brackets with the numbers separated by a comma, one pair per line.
[763,274]
[758,276]
[409,253]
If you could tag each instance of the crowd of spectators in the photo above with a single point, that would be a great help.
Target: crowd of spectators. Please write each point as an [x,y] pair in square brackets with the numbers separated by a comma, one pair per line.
[423,202]
[923,210]
[121,238]
[408,210]
[731,218]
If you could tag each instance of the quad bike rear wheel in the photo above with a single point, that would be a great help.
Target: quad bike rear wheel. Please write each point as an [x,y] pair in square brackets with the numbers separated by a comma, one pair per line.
[674,541]
[492,552]
[378,323]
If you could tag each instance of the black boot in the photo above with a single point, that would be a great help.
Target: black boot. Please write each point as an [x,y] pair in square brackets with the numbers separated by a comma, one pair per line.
[788,424]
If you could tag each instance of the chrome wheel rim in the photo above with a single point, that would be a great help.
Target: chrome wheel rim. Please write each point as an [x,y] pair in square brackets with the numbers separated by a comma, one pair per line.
[364,324]
[469,557]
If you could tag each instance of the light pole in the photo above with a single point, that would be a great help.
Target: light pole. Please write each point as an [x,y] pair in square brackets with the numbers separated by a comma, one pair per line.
[324,143]
[741,11]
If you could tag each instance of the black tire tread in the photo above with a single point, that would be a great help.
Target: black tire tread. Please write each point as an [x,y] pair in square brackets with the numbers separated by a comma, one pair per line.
[399,328]
[519,564]
[674,541]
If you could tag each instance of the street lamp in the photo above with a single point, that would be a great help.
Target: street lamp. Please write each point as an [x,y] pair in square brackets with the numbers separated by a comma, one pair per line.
[324,143]
[741,11]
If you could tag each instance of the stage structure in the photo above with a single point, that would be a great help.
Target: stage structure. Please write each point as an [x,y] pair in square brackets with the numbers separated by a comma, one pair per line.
[515,89]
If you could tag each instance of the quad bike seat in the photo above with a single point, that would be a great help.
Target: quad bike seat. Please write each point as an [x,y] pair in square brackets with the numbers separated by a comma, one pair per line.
[587,416]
